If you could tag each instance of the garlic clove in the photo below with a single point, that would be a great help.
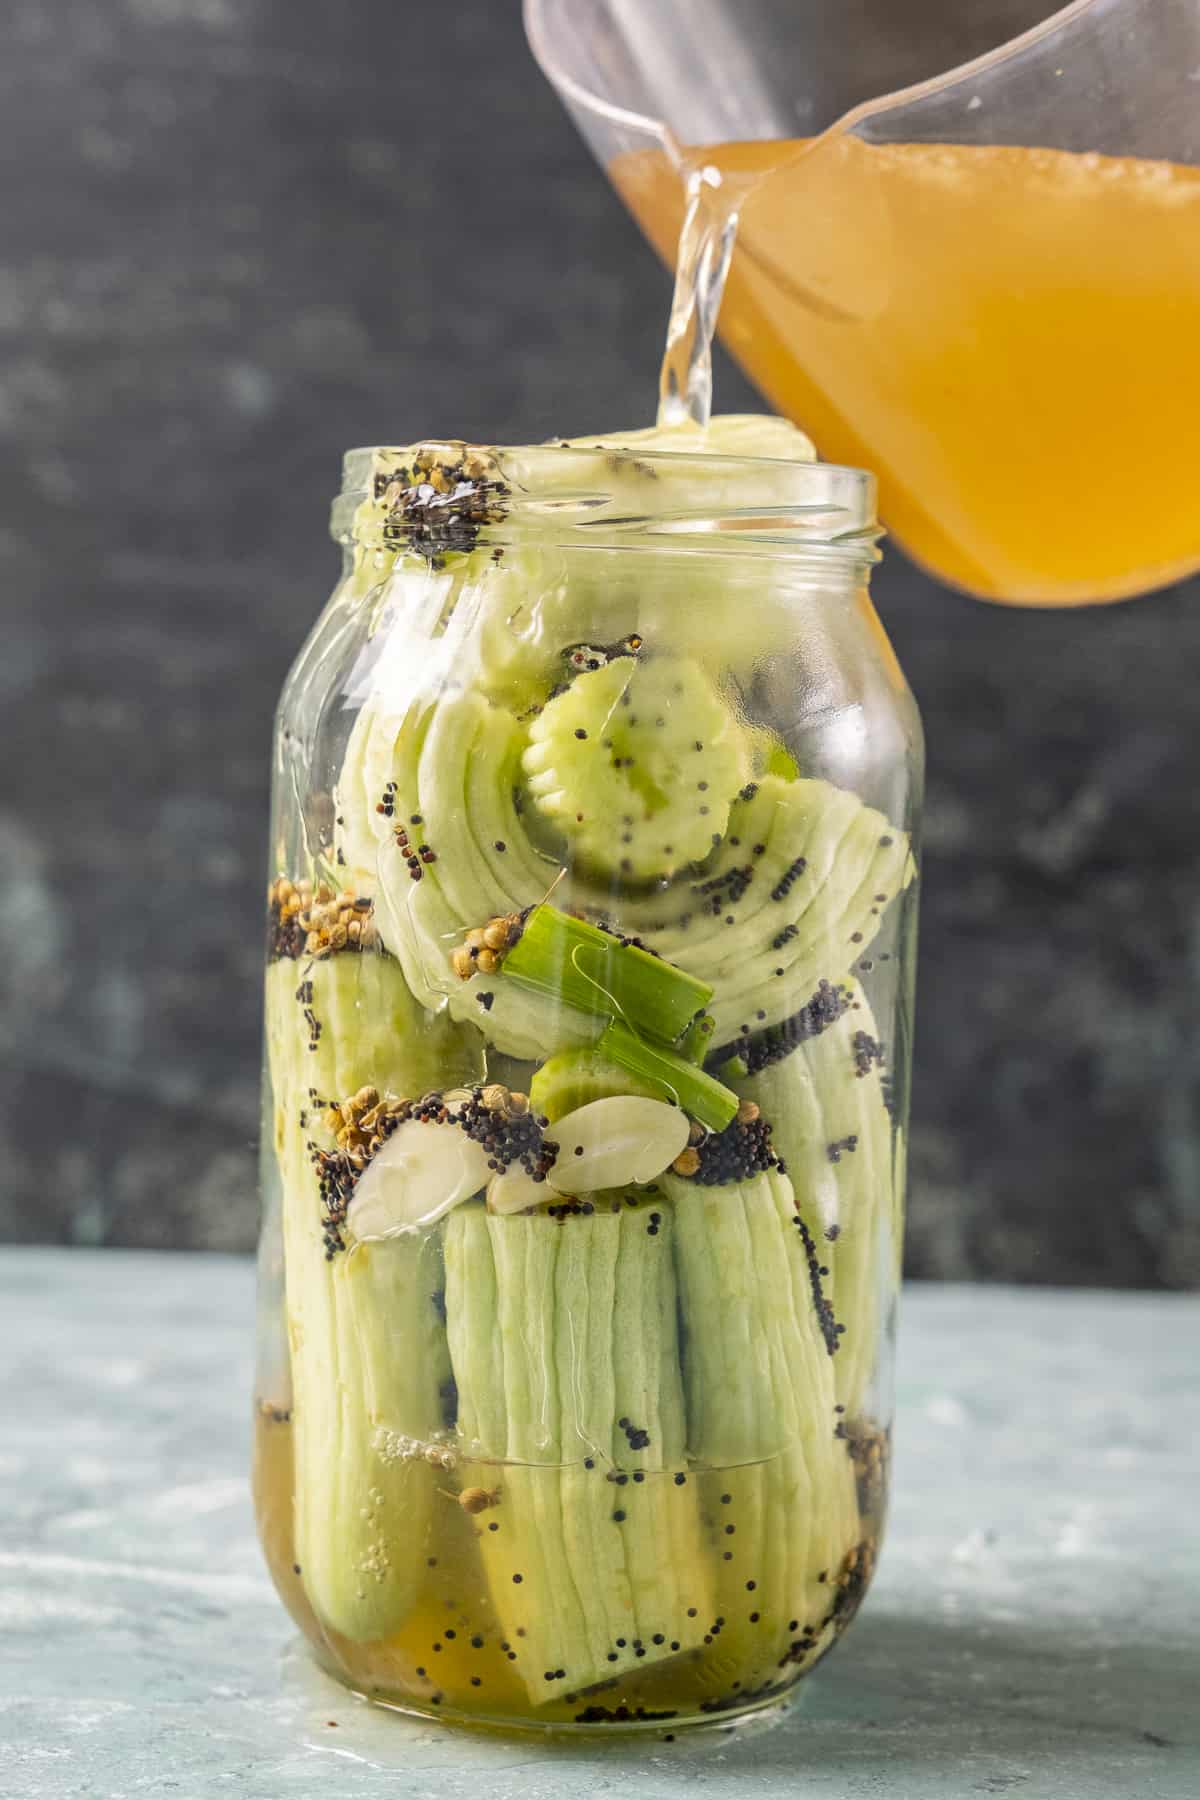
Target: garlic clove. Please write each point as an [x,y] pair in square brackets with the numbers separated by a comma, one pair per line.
[614,1142]
[422,1171]
[515,1191]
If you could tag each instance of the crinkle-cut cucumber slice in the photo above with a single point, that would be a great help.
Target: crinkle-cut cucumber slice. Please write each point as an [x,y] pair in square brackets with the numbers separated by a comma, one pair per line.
[636,764]
[832,1129]
[437,791]
[563,1340]
[760,1395]
[793,895]
[367,1349]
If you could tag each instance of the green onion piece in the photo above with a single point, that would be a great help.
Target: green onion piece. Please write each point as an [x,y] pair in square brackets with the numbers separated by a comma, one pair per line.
[700,1095]
[582,966]
[696,1041]
[782,763]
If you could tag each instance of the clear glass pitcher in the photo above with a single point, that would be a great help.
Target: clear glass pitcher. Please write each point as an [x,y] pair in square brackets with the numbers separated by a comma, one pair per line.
[982,284]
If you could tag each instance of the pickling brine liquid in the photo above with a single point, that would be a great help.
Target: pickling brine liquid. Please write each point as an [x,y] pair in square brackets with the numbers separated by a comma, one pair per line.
[1008,337]
[748,1599]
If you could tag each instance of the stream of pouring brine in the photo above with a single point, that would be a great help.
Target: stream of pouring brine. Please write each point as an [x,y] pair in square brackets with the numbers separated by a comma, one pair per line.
[706,241]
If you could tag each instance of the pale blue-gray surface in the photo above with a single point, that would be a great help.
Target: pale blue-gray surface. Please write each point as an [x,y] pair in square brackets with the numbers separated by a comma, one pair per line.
[1034,1626]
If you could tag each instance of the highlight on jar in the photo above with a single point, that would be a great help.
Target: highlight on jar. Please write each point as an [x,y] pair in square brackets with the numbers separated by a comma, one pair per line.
[588,1013]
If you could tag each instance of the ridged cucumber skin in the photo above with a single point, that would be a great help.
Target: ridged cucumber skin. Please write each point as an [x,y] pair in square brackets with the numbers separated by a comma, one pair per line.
[368,1352]
[636,764]
[557,1331]
[792,896]
[760,1395]
[371,1030]
[815,1099]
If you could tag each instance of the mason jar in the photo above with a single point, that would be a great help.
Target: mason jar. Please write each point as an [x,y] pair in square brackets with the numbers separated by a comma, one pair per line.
[588,1018]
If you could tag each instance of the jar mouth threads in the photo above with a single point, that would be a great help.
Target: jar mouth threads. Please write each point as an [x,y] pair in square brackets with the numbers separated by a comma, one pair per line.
[438,497]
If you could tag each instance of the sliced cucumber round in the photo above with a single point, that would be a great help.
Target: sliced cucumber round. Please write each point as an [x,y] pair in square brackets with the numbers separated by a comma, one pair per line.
[427,799]
[792,895]
[574,1077]
[636,763]
[432,803]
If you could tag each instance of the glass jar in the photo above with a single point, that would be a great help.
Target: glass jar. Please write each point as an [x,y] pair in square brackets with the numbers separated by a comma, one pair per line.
[588,1015]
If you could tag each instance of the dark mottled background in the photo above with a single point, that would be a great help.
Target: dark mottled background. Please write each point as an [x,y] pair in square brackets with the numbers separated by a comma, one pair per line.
[238,235]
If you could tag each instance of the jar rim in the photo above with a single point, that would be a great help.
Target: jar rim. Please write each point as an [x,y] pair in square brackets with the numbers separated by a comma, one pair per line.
[439,495]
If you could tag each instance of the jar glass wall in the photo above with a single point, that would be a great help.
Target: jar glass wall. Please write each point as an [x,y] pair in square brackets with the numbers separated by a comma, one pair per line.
[590,957]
